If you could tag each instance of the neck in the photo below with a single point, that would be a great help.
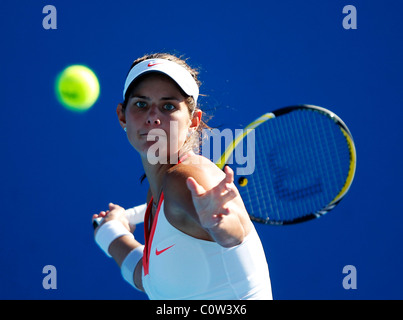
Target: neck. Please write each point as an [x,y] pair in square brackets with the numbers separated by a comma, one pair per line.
[155,173]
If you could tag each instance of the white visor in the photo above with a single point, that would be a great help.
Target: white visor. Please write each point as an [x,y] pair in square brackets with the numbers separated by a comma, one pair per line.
[176,72]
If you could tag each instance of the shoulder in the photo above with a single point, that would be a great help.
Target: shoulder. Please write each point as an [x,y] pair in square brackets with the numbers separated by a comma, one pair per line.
[198,167]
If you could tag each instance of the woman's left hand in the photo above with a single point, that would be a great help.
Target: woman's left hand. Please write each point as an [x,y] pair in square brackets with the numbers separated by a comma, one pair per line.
[213,205]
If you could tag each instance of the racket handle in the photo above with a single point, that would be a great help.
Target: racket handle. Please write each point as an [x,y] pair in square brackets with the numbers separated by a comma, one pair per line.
[134,215]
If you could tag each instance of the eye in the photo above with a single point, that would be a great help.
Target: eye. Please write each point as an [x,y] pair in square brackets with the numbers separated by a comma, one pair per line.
[169,107]
[141,104]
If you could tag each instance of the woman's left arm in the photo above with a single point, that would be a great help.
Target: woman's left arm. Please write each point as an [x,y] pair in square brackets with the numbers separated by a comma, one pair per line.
[210,199]
[218,210]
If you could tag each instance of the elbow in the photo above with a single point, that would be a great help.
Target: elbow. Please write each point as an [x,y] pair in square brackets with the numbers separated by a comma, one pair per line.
[228,232]
[229,239]
[231,242]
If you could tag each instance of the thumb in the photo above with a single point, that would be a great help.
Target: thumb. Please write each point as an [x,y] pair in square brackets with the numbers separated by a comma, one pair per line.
[195,188]
[113,206]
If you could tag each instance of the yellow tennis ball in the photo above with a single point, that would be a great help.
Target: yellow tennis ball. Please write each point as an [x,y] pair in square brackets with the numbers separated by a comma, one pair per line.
[77,88]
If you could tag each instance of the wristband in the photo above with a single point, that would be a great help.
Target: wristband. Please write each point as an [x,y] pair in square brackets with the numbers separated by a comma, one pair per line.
[130,263]
[108,232]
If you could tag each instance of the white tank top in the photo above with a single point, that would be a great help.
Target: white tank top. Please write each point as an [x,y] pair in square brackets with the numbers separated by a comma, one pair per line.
[177,266]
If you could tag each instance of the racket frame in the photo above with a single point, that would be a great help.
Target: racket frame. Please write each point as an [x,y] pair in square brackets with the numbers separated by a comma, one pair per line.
[271,115]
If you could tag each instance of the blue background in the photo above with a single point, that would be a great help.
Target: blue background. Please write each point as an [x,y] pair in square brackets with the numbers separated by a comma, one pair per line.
[59,167]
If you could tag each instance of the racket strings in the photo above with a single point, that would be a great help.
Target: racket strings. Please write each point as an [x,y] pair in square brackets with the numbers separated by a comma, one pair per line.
[301,163]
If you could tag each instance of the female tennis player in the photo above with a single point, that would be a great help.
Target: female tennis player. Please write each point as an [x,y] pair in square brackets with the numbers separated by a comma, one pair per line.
[199,240]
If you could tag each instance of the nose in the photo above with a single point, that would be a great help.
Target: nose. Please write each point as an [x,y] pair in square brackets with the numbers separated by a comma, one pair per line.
[154,121]
[153,118]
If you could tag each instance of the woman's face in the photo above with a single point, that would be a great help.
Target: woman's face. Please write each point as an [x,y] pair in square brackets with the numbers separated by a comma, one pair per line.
[157,118]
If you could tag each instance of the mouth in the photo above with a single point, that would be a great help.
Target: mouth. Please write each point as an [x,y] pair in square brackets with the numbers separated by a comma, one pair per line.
[151,135]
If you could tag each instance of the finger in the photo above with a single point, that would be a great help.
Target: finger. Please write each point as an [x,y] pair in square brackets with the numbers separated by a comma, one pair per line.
[226,184]
[230,193]
[229,174]
[195,188]
[112,206]
[103,213]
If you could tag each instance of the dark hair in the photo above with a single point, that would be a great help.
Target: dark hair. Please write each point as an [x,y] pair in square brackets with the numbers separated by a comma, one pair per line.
[193,142]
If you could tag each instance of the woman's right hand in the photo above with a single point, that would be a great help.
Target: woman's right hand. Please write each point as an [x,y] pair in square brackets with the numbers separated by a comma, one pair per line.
[115,212]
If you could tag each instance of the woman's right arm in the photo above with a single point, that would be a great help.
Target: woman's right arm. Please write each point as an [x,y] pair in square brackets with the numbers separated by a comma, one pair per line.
[121,247]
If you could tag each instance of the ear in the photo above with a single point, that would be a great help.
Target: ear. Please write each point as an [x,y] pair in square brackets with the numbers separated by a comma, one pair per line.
[195,121]
[121,115]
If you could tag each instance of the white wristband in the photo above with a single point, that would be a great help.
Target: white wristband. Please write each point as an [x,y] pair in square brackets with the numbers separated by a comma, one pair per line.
[108,232]
[130,263]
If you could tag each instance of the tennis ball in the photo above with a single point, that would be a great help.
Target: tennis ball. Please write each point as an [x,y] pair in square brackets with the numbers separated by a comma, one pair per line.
[77,88]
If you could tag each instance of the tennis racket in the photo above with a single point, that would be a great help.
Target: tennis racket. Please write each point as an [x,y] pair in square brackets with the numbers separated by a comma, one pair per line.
[305,161]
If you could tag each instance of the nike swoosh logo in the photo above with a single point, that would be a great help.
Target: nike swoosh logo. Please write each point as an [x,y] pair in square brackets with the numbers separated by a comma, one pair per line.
[159,252]
[153,64]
